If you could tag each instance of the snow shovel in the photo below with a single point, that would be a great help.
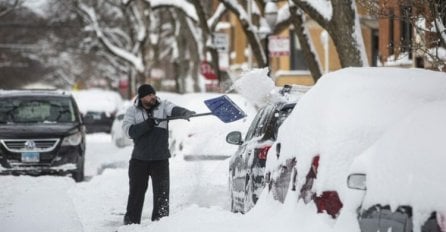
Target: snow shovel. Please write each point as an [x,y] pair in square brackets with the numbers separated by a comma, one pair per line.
[222,107]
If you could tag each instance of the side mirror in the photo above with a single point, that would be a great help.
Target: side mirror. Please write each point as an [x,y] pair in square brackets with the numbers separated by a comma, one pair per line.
[234,137]
[357,181]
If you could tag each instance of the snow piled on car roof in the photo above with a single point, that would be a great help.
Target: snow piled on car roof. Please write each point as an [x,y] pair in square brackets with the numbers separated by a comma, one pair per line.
[347,111]
[259,88]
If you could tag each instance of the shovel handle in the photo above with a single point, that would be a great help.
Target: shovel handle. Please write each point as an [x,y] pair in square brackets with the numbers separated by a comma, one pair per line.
[181,117]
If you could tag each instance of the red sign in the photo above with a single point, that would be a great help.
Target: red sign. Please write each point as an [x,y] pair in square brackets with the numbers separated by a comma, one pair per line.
[207,71]
[279,46]
[123,84]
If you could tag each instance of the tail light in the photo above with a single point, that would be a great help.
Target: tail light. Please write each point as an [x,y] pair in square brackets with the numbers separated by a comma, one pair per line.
[306,192]
[441,220]
[328,202]
[263,152]
[314,166]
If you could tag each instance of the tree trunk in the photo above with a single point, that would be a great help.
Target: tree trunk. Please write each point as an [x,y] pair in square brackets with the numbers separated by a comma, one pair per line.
[191,46]
[310,57]
[256,45]
[342,31]
[341,28]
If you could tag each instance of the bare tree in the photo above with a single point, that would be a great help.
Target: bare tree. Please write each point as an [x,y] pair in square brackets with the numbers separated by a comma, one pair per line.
[343,27]
[424,22]
[7,7]
[141,36]
[125,38]
[298,19]
[250,31]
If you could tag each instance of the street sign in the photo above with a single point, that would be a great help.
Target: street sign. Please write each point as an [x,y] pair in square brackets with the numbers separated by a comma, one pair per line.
[279,46]
[221,42]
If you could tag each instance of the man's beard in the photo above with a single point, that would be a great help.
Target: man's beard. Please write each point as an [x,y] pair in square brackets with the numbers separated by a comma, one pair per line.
[148,104]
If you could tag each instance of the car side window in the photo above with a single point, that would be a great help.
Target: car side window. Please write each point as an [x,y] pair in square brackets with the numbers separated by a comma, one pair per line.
[281,116]
[258,125]
[252,127]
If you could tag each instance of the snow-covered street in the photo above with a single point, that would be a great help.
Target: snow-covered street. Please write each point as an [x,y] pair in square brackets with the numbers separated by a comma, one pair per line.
[53,203]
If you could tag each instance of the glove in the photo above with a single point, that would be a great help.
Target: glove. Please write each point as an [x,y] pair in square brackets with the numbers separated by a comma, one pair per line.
[188,114]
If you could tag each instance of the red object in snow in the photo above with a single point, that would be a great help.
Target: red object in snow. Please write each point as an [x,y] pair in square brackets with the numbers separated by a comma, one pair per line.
[263,152]
[329,202]
[207,71]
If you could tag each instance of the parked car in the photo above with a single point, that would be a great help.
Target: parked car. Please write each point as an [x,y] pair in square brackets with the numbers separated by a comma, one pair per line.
[337,119]
[119,138]
[98,108]
[402,175]
[202,138]
[247,164]
[41,132]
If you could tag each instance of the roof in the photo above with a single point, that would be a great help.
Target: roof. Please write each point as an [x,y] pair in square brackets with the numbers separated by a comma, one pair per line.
[34,92]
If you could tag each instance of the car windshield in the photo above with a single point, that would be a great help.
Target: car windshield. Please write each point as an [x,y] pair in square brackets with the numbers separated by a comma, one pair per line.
[36,110]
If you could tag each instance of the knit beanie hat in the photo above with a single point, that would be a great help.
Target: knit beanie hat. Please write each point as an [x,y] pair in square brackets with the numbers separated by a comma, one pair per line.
[145,90]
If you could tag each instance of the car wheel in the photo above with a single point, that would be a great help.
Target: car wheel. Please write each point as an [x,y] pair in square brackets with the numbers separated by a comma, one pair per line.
[78,174]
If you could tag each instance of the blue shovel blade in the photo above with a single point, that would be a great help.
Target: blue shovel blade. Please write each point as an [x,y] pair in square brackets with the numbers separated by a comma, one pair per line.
[225,109]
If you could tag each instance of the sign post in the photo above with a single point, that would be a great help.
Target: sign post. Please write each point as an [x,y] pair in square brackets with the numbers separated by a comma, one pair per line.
[221,43]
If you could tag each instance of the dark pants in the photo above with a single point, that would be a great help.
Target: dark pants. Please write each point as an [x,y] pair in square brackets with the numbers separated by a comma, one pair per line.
[139,172]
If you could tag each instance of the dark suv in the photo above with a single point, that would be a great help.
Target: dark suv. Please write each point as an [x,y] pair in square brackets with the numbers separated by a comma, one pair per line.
[247,165]
[41,132]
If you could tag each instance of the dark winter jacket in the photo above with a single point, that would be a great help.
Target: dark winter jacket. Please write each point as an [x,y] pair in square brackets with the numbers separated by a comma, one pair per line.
[150,140]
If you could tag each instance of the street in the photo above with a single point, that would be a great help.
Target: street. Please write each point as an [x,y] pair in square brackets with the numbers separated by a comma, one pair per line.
[54,203]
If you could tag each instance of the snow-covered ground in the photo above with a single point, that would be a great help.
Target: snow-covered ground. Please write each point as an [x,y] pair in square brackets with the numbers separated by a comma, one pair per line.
[53,203]
[199,198]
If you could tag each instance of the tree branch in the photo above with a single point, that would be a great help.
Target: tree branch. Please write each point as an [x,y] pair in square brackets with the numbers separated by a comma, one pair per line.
[9,9]
[253,39]
[313,13]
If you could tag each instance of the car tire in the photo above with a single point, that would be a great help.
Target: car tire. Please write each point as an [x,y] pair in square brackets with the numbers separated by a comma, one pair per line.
[78,175]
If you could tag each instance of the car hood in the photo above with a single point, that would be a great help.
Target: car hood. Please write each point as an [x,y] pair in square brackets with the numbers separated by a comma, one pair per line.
[15,131]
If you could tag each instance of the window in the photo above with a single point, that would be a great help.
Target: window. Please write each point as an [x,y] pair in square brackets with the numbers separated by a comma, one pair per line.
[375,47]
[30,110]
[391,30]
[406,30]
[297,61]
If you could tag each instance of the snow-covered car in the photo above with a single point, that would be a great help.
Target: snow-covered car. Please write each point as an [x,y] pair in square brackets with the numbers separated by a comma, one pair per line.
[117,134]
[98,107]
[402,175]
[345,113]
[247,164]
[202,138]
[41,132]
